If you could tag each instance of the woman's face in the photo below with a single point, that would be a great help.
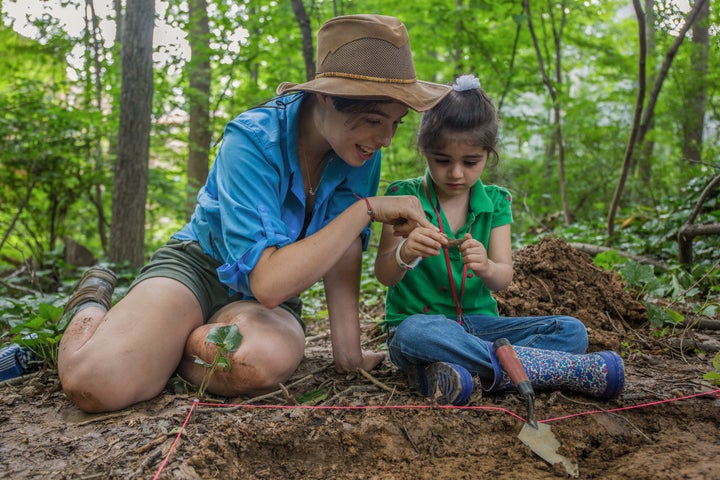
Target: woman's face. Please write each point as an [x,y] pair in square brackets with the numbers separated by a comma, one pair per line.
[456,167]
[356,136]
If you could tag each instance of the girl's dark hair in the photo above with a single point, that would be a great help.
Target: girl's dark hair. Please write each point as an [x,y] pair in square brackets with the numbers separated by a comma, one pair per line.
[469,111]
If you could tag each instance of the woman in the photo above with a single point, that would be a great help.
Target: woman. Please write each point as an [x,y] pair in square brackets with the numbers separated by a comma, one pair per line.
[287,202]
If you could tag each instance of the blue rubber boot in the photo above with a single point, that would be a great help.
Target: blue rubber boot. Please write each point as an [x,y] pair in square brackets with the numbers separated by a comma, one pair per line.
[446,383]
[16,361]
[598,374]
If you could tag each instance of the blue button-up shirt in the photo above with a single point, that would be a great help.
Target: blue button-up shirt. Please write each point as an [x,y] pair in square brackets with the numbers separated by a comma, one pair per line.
[254,196]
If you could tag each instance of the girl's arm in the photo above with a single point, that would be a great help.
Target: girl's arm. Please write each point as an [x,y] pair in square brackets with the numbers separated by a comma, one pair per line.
[342,287]
[493,266]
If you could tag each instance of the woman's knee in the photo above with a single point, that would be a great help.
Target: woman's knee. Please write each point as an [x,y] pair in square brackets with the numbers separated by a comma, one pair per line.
[259,367]
[93,388]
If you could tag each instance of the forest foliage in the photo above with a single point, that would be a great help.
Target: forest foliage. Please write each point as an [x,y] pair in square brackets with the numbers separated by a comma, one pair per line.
[564,75]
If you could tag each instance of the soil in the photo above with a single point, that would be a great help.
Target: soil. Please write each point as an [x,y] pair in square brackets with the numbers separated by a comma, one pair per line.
[666,424]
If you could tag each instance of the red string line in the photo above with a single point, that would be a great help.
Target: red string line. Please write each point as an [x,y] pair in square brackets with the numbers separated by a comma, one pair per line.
[408,407]
[177,439]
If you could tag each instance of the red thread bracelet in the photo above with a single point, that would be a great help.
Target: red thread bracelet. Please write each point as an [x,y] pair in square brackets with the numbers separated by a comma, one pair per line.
[369,207]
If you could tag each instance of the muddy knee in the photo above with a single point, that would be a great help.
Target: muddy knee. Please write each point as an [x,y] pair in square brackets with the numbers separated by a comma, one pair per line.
[263,366]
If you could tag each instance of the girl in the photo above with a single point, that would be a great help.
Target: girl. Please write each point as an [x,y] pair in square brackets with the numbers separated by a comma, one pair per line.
[288,201]
[441,317]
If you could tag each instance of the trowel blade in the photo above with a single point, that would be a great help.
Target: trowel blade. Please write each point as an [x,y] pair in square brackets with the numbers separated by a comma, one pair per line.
[542,441]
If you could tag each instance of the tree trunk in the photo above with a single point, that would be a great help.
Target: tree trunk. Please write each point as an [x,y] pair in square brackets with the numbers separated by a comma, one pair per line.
[307,37]
[552,88]
[697,91]
[95,84]
[643,163]
[198,96]
[648,112]
[127,232]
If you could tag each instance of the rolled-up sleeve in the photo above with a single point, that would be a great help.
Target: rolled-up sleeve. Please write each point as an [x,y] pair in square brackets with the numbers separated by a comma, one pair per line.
[241,202]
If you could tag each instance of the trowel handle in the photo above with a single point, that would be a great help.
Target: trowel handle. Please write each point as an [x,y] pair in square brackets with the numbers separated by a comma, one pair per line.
[510,362]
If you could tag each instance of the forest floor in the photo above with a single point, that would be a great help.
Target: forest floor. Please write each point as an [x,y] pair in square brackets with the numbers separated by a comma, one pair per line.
[321,425]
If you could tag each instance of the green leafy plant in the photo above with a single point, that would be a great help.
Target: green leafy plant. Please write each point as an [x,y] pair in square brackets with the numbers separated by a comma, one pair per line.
[608,260]
[226,339]
[42,333]
[714,377]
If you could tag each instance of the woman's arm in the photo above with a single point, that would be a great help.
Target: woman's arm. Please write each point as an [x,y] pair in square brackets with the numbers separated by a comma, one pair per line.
[342,287]
[283,272]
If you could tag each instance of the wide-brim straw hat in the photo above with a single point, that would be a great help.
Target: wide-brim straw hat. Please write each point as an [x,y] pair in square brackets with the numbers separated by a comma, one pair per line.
[368,56]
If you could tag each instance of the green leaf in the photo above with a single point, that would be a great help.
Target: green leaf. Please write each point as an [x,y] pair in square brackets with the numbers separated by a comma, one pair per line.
[313,397]
[226,337]
[660,317]
[224,363]
[202,362]
[714,377]
[636,274]
[50,312]
[716,361]
[608,260]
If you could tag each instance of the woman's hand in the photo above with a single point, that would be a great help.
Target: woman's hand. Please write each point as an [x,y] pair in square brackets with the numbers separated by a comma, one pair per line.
[369,361]
[403,212]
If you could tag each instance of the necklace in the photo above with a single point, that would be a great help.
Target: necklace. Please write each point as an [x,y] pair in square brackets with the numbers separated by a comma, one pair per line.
[311,190]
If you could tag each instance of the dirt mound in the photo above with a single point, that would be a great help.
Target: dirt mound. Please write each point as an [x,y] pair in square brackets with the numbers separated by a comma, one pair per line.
[552,278]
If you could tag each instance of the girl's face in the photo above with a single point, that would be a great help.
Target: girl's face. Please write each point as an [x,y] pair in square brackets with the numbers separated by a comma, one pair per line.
[456,167]
[356,136]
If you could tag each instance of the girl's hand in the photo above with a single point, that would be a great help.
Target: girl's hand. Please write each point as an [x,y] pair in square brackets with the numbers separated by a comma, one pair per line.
[423,242]
[474,255]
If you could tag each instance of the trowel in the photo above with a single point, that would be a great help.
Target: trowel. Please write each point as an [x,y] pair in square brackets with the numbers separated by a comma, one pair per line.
[537,436]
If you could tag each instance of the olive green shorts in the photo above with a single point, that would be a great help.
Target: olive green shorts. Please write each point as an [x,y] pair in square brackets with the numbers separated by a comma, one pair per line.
[185,261]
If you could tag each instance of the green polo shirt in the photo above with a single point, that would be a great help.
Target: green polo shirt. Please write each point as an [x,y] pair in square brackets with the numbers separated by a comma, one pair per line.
[427,288]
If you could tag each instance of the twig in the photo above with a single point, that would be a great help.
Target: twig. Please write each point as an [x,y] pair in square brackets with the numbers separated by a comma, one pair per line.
[273,394]
[289,398]
[595,249]
[544,287]
[391,396]
[108,416]
[375,381]
[316,337]
[348,391]
[153,443]
[407,434]
[20,379]
[28,291]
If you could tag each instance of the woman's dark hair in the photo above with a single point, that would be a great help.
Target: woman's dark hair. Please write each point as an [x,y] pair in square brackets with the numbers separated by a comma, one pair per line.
[469,111]
[357,105]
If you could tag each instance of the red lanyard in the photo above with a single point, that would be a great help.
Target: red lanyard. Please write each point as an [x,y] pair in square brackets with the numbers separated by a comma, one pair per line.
[458,301]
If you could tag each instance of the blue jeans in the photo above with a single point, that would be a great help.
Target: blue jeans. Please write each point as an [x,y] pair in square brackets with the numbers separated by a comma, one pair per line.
[425,339]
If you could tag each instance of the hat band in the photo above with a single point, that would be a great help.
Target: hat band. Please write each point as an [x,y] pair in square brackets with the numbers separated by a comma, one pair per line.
[355,76]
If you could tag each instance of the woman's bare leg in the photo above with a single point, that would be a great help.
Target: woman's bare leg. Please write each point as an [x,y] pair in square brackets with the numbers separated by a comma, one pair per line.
[271,349]
[110,360]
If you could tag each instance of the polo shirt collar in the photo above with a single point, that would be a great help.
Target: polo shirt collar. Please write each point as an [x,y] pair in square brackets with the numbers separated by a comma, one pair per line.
[479,200]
